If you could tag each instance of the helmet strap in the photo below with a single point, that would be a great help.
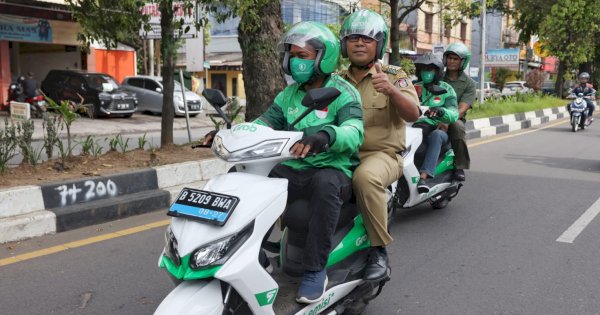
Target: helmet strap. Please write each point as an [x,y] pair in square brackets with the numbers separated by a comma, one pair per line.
[365,67]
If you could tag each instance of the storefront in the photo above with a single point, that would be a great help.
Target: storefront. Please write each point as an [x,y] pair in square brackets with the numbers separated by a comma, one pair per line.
[39,37]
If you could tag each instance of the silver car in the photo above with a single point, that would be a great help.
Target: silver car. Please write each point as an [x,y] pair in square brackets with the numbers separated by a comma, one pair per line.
[149,91]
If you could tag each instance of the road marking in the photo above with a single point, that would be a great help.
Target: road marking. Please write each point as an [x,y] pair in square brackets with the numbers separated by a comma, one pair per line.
[578,226]
[83,242]
[515,134]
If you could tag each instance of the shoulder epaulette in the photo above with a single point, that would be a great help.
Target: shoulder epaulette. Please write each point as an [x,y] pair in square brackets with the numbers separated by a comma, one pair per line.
[341,73]
[396,71]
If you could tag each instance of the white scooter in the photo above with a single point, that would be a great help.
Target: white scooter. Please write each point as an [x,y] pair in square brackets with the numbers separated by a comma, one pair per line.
[443,187]
[214,239]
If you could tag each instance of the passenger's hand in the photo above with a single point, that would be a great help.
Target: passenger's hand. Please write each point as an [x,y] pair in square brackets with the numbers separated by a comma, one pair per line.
[208,138]
[381,82]
[435,112]
[442,127]
[317,143]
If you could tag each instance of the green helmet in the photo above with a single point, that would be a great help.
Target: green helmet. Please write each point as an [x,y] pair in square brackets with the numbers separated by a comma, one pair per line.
[319,37]
[367,23]
[461,51]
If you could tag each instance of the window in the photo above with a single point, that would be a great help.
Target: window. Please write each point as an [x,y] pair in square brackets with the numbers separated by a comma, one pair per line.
[151,85]
[428,22]
[463,31]
[447,30]
[136,82]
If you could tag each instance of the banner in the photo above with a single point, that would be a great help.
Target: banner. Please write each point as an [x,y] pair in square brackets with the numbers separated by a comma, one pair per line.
[502,58]
[25,29]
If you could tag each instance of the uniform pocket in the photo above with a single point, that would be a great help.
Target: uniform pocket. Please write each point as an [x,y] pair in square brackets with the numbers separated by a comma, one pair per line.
[375,110]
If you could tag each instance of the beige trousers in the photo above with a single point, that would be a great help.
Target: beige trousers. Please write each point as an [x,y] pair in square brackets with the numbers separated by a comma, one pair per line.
[376,171]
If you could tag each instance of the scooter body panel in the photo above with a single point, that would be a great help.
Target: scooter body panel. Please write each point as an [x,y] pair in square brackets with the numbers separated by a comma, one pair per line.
[192,298]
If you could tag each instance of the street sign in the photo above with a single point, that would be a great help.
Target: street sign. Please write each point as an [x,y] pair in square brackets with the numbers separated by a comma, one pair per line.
[502,58]
[207,64]
[194,54]
[19,111]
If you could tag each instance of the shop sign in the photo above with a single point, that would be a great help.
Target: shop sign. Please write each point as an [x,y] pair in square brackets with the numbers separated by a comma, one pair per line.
[502,58]
[179,12]
[19,111]
[25,29]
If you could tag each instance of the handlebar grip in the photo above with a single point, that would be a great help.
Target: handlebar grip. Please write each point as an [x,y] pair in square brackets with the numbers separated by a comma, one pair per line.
[201,146]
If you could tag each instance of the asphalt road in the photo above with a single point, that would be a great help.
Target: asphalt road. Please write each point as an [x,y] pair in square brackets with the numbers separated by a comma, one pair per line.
[520,238]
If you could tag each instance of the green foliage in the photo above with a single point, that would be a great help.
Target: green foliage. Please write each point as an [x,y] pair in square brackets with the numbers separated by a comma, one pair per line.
[118,143]
[24,138]
[519,103]
[8,145]
[50,125]
[66,116]
[142,142]
[408,66]
[86,145]
[501,75]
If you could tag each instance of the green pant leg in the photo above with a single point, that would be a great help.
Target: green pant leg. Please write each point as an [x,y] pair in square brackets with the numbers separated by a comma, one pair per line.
[457,136]
[376,171]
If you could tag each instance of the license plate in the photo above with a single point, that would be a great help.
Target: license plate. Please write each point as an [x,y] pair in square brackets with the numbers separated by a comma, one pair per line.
[122,106]
[204,206]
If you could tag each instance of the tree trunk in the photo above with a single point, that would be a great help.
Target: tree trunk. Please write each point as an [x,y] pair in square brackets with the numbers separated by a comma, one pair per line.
[394,33]
[263,76]
[560,79]
[167,53]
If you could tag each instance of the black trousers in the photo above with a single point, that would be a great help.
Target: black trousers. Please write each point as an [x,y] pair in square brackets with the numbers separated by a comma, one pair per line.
[326,189]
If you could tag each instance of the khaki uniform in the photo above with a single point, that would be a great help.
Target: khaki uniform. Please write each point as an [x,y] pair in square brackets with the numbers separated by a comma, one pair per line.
[384,136]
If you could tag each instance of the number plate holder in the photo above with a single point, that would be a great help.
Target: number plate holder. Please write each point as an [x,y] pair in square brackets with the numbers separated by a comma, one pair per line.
[203,206]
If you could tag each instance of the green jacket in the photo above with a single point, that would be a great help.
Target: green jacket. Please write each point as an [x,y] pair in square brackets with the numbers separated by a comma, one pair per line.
[342,120]
[447,101]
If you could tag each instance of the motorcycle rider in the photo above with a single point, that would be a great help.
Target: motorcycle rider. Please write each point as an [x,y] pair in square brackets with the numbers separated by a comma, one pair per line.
[310,55]
[442,109]
[29,86]
[389,99]
[456,58]
[587,89]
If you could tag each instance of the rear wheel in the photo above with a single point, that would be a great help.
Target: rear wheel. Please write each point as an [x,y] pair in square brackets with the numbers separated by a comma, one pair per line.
[440,204]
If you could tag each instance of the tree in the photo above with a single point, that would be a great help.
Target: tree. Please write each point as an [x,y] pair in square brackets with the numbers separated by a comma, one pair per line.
[561,32]
[453,12]
[500,76]
[259,31]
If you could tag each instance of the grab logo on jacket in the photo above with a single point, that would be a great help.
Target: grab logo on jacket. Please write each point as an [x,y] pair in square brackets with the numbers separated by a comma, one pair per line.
[322,114]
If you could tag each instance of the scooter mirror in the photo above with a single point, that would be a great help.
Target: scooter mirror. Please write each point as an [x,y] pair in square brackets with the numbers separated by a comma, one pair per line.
[214,97]
[436,90]
[318,99]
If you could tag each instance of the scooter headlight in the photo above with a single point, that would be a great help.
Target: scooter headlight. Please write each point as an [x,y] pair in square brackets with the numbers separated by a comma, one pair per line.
[218,252]
[264,149]
[170,249]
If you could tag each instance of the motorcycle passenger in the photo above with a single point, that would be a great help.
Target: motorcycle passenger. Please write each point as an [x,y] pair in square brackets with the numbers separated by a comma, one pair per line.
[310,55]
[456,58]
[389,99]
[588,91]
[442,109]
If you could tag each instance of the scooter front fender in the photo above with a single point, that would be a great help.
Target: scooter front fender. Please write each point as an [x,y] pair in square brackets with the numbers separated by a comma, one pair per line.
[194,297]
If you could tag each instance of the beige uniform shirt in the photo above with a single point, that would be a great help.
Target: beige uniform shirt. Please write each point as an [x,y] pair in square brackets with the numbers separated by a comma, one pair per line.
[384,129]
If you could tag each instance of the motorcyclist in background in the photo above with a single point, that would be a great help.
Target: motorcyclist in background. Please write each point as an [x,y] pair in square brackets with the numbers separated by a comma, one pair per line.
[588,91]
[442,109]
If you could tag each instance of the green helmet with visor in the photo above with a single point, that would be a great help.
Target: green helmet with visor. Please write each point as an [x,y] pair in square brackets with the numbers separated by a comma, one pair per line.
[367,23]
[310,34]
[461,51]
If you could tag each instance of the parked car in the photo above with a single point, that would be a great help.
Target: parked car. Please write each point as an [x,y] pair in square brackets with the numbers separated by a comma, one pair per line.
[149,90]
[548,87]
[513,87]
[101,93]
[490,90]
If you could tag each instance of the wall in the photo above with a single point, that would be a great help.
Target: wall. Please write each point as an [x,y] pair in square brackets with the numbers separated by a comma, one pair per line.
[117,63]
[41,63]
[4,71]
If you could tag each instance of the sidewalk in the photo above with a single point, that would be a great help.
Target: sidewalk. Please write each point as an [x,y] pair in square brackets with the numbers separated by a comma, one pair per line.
[31,211]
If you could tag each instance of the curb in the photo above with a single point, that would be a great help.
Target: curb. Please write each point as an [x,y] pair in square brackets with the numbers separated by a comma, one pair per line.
[31,211]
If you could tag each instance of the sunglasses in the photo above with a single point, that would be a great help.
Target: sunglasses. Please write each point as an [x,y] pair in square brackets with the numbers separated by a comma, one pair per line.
[355,37]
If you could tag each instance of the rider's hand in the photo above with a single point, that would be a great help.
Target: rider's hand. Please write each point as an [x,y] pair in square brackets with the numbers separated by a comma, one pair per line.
[208,138]
[435,112]
[381,82]
[317,143]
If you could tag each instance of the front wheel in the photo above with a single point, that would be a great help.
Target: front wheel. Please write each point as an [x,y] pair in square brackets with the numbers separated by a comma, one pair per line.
[574,123]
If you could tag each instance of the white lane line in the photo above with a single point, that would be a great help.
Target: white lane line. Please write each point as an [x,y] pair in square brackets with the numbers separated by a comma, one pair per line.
[578,226]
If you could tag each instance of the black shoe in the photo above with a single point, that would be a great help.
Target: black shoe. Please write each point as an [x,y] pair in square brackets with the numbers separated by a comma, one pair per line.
[264,261]
[459,175]
[422,186]
[377,264]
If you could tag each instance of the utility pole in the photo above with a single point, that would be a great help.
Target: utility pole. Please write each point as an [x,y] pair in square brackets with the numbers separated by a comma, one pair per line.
[482,57]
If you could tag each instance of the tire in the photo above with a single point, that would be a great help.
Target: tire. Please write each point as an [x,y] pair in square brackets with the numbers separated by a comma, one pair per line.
[356,308]
[574,124]
[440,204]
